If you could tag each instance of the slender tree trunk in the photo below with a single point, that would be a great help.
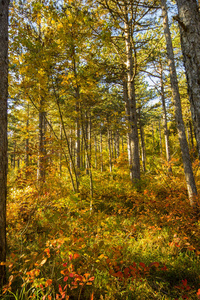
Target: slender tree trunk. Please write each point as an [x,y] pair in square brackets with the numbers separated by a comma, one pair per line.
[191,134]
[134,143]
[160,136]
[78,140]
[122,144]
[68,145]
[189,24]
[90,138]
[88,158]
[142,143]
[77,96]
[95,149]
[101,150]
[152,133]
[41,148]
[14,153]
[60,152]
[27,139]
[191,186]
[86,138]
[3,132]
[109,150]
[166,133]
[127,110]
[117,143]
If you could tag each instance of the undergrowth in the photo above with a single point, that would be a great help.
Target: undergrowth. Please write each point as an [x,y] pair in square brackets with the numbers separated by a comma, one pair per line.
[135,243]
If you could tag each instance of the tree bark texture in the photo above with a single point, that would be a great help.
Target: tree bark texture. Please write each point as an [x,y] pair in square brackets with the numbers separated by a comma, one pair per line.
[41,148]
[191,186]
[189,24]
[166,134]
[4,7]
[143,152]
[133,135]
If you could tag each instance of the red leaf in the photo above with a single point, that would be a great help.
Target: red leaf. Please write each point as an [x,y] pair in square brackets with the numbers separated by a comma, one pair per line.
[155,264]
[126,271]
[184,282]
[118,274]
[60,288]
[142,265]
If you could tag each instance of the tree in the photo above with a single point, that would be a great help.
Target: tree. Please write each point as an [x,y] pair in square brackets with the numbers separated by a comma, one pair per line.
[4,4]
[189,24]
[191,186]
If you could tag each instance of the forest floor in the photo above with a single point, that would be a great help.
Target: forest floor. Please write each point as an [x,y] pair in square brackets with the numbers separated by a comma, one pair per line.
[136,243]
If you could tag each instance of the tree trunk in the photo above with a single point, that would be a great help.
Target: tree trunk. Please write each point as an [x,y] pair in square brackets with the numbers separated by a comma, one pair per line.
[101,150]
[191,186]
[3,132]
[142,143]
[95,149]
[166,133]
[109,150]
[27,139]
[14,154]
[78,140]
[60,152]
[134,144]
[127,110]
[160,136]
[189,24]
[41,147]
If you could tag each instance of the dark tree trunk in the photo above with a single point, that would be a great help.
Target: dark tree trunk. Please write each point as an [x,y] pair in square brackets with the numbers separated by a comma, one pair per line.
[4,5]
[189,24]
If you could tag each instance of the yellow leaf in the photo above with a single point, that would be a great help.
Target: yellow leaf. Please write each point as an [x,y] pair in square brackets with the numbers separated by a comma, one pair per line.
[43,261]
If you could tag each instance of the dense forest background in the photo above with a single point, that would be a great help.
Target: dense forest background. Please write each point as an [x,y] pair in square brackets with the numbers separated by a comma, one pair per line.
[103,155]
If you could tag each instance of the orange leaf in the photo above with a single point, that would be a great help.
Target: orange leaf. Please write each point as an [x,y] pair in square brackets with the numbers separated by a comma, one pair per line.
[48,282]
[91,278]
[198,294]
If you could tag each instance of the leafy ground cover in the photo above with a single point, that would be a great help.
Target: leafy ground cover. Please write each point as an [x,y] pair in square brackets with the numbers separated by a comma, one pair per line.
[135,243]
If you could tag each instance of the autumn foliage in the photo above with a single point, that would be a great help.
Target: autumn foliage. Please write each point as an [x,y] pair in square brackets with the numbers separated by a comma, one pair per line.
[134,244]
